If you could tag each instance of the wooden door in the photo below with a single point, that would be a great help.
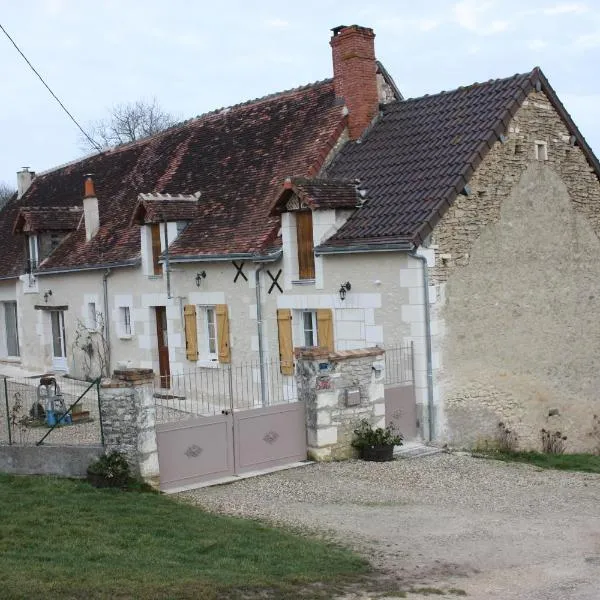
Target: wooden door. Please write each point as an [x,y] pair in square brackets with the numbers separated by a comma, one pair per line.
[306,251]
[163,346]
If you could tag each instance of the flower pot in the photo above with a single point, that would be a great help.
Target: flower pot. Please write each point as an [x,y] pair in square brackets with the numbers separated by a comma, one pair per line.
[377,453]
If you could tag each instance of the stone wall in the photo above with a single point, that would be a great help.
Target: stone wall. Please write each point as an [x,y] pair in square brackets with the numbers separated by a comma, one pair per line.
[517,269]
[128,419]
[323,382]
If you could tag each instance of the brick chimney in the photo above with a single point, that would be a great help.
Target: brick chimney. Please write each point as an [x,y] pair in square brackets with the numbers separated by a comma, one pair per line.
[354,75]
[24,179]
[91,214]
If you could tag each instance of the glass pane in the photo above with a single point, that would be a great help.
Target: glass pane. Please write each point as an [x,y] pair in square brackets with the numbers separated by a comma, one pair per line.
[12,335]
[210,330]
[309,336]
[57,334]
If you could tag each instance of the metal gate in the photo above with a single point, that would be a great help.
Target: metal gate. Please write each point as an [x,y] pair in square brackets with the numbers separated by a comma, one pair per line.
[215,423]
[400,399]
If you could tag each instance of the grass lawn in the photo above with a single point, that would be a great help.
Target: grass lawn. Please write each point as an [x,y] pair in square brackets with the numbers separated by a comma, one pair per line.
[65,539]
[588,463]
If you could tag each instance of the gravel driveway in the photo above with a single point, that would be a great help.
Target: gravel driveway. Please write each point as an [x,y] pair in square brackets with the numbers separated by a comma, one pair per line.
[492,529]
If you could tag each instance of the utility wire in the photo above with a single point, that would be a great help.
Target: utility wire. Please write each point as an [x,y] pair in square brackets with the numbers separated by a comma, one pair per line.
[90,140]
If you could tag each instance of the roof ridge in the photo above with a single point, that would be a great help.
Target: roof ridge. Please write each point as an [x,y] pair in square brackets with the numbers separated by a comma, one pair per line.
[213,113]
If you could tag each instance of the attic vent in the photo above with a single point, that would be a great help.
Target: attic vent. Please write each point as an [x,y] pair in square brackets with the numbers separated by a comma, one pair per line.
[541,151]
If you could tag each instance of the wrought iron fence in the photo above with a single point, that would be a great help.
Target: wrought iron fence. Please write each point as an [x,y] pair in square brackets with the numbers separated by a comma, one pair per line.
[49,409]
[207,391]
[399,364]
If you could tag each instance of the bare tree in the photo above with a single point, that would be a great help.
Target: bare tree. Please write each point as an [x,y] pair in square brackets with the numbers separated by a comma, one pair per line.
[6,193]
[127,123]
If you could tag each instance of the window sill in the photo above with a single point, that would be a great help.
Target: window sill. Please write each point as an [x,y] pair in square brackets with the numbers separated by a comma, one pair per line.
[303,282]
[14,360]
[208,363]
[125,337]
[154,277]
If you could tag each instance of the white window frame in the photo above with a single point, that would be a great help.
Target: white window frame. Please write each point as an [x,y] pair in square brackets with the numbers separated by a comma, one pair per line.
[203,315]
[34,251]
[5,313]
[125,323]
[300,330]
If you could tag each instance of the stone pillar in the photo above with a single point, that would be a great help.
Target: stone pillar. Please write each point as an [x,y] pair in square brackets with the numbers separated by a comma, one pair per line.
[128,419]
[339,389]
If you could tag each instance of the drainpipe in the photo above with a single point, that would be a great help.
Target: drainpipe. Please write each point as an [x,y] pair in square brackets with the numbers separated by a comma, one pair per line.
[106,318]
[427,342]
[167,266]
[259,322]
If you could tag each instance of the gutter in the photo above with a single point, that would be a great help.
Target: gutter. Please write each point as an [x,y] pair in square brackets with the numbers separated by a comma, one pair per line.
[259,322]
[427,314]
[134,262]
[105,277]
[191,258]
[404,246]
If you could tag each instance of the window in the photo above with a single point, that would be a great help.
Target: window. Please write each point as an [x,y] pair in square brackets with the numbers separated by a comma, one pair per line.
[12,332]
[92,316]
[211,333]
[541,151]
[32,252]
[309,323]
[306,250]
[124,321]
[207,333]
[155,231]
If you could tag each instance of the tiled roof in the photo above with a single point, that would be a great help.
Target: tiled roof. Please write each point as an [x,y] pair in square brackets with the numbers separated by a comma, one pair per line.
[237,158]
[320,193]
[51,218]
[421,154]
[155,208]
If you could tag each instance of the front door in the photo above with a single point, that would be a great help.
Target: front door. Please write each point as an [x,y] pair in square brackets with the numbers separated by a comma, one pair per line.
[163,347]
[59,344]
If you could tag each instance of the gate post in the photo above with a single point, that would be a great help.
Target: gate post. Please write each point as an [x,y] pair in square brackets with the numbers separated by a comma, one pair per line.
[339,389]
[128,419]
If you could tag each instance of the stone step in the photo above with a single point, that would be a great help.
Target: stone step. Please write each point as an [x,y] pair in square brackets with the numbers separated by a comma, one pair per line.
[415,451]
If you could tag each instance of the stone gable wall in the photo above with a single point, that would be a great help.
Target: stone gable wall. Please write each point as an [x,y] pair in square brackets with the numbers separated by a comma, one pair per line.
[517,271]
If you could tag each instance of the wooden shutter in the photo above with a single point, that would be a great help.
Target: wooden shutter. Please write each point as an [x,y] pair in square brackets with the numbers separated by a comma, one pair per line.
[191,332]
[306,250]
[286,347]
[155,229]
[223,333]
[325,328]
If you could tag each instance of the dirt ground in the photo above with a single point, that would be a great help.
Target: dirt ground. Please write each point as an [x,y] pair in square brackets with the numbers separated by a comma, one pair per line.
[449,522]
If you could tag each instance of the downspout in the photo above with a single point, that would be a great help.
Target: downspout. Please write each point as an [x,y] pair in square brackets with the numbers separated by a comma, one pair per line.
[167,266]
[106,318]
[259,322]
[430,420]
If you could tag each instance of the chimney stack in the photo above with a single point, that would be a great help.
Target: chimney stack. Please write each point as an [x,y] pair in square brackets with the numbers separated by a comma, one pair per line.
[24,179]
[91,214]
[355,75]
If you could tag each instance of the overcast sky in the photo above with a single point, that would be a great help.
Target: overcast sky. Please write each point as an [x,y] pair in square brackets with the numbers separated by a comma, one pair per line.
[197,56]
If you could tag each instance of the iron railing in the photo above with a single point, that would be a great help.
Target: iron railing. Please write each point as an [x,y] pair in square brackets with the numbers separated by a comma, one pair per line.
[399,364]
[207,391]
[50,409]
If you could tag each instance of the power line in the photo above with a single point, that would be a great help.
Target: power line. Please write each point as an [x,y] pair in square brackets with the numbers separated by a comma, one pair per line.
[90,140]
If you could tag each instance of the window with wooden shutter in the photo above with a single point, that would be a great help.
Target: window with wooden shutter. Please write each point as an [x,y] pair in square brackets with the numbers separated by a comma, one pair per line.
[155,229]
[223,333]
[325,328]
[286,347]
[191,332]
[306,250]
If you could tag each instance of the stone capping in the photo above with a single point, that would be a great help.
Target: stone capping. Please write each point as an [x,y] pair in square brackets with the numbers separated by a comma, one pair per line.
[129,378]
[323,353]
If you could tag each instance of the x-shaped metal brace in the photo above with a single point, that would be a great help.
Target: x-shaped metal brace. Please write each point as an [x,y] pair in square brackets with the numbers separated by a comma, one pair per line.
[274,280]
[239,271]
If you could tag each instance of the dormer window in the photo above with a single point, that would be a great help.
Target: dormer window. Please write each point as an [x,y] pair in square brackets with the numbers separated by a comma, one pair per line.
[32,252]
[306,249]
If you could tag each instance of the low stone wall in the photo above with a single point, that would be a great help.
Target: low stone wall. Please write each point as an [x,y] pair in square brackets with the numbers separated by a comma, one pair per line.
[339,389]
[63,461]
[128,419]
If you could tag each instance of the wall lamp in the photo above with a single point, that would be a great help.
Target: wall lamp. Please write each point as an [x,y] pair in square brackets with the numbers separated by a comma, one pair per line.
[47,295]
[199,277]
[344,289]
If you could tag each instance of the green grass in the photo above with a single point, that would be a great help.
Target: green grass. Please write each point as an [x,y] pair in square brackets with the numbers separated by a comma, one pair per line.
[587,463]
[65,539]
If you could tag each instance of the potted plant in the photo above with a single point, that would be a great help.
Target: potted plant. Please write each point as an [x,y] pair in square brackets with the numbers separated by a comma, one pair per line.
[376,444]
[110,470]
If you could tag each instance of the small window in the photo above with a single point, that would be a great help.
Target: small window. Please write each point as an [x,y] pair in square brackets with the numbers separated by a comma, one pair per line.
[124,321]
[92,316]
[211,333]
[32,252]
[309,325]
[541,151]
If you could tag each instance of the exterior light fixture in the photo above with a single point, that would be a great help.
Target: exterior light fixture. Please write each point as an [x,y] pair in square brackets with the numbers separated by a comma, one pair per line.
[199,277]
[344,288]
[47,295]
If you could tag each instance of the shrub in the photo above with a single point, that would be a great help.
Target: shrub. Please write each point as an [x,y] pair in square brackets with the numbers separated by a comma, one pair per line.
[553,442]
[110,470]
[506,439]
[365,436]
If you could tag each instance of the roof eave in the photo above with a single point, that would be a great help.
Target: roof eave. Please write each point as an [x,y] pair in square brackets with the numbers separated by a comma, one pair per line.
[399,245]
[134,262]
[254,257]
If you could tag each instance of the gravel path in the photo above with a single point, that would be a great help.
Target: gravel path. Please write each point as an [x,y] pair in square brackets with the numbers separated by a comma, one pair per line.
[492,529]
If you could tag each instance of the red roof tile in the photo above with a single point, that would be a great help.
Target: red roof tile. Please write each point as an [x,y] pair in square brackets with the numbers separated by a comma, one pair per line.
[320,193]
